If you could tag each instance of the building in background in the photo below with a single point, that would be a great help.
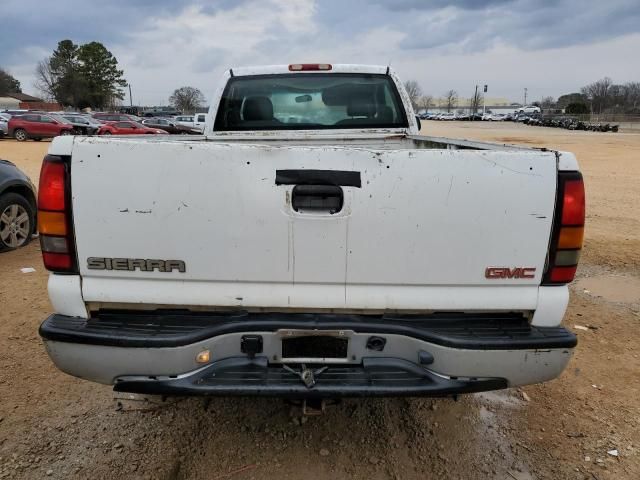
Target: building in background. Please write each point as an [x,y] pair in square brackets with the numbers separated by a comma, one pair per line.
[22,101]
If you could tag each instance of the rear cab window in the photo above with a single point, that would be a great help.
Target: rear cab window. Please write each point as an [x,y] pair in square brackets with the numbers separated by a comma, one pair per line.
[309,102]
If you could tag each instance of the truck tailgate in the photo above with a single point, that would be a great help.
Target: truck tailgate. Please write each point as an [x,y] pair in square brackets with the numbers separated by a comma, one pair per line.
[417,234]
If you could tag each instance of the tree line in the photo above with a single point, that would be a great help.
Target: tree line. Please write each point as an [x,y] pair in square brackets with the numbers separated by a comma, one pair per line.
[602,96]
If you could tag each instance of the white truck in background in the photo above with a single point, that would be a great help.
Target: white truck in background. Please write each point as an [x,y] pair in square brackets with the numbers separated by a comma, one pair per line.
[196,121]
[310,245]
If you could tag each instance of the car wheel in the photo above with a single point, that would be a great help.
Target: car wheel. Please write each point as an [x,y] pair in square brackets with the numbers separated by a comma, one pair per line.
[37,139]
[106,132]
[20,135]
[64,133]
[16,221]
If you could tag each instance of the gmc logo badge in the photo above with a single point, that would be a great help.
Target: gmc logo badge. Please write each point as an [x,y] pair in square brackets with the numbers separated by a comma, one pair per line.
[493,273]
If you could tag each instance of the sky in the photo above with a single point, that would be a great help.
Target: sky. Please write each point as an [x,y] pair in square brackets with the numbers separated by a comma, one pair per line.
[550,47]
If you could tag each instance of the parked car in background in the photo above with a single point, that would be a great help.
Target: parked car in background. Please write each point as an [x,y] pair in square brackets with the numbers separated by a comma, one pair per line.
[37,126]
[199,121]
[115,117]
[529,109]
[447,116]
[160,113]
[15,112]
[4,125]
[170,126]
[17,207]
[128,128]
[196,121]
[186,120]
[82,124]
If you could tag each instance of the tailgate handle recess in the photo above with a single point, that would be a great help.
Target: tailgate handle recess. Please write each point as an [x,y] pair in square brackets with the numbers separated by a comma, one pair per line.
[317,198]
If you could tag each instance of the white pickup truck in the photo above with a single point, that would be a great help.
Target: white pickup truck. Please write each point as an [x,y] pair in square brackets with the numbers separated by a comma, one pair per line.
[311,244]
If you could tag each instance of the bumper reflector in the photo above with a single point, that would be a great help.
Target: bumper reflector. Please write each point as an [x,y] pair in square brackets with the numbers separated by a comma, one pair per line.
[203,357]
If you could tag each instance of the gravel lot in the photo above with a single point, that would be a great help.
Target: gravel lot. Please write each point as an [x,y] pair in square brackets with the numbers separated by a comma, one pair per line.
[56,426]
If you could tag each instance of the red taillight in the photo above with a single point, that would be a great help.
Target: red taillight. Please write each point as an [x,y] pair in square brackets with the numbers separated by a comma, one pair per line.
[568,230]
[51,193]
[309,67]
[573,203]
[54,216]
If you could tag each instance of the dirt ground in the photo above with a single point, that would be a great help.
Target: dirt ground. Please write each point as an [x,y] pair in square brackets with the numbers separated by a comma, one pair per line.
[56,426]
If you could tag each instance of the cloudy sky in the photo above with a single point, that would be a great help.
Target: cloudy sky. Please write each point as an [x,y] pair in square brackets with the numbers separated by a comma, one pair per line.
[549,46]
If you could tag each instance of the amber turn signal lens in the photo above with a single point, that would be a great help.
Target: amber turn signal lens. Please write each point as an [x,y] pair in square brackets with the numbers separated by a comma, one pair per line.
[203,357]
[52,223]
[571,237]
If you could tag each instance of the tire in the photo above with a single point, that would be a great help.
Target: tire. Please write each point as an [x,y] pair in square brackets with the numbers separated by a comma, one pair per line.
[37,139]
[64,133]
[107,132]
[20,135]
[17,221]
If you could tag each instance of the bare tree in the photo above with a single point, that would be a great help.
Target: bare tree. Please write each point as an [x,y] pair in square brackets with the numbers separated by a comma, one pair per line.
[187,99]
[547,102]
[598,93]
[632,95]
[414,91]
[451,99]
[425,102]
[476,100]
[45,79]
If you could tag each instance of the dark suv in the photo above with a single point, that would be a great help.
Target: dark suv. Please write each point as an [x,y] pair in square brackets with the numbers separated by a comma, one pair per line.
[115,117]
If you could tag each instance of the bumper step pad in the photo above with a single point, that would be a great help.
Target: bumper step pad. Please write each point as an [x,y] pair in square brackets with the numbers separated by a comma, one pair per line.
[373,377]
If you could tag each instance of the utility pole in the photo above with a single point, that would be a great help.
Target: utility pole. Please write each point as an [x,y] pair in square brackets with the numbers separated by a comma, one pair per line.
[484,101]
[525,97]
[474,104]
[130,97]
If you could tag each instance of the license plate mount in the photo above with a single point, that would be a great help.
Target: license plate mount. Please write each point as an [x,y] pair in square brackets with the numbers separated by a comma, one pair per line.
[318,345]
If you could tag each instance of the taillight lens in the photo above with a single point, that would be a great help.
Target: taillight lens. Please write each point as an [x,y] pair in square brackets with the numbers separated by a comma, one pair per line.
[568,230]
[54,216]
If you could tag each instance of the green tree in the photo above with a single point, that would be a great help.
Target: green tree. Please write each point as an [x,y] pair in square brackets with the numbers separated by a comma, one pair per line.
[66,82]
[81,76]
[565,100]
[577,108]
[8,84]
[103,81]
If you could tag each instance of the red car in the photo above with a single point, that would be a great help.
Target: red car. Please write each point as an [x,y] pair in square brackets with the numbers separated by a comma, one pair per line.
[37,126]
[128,128]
